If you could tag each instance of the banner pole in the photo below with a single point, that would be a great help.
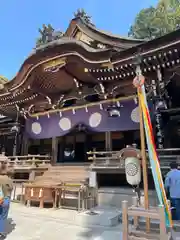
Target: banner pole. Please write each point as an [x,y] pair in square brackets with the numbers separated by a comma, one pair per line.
[144,162]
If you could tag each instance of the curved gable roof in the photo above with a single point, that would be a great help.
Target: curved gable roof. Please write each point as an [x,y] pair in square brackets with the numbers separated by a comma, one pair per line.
[100,36]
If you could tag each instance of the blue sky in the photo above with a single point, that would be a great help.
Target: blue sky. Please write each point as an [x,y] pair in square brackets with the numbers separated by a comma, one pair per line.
[20,20]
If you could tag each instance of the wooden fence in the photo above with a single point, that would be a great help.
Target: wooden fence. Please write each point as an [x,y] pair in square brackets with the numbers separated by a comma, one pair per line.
[112,159]
[25,161]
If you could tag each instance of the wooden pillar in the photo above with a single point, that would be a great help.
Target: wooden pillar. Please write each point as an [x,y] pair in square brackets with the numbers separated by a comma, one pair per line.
[108,141]
[19,143]
[60,146]
[63,144]
[25,145]
[143,151]
[15,145]
[74,147]
[125,220]
[86,145]
[108,144]
[54,150]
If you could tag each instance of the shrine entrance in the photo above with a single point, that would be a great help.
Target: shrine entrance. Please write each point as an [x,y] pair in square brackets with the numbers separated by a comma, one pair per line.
[73,147]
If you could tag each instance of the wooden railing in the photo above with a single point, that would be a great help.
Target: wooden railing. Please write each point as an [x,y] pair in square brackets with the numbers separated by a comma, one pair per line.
[26,161]
[112,159]
[104,158]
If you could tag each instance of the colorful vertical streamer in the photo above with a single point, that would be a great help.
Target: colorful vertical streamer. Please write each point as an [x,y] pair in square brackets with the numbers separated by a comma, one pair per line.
[153,157]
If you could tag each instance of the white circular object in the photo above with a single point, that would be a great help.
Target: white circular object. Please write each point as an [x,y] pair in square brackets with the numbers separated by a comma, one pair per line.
[65,124]
[95,119]
[36,128]
[135,115]
[131,169]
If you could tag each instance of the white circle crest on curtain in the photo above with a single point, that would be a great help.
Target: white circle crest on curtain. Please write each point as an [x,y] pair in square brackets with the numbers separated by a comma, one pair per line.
[95,119]
[36,128]
[135,115]
[65,124]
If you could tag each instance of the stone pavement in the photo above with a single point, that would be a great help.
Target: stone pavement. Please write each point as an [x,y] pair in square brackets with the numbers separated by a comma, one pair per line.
[37,224]
[44,224]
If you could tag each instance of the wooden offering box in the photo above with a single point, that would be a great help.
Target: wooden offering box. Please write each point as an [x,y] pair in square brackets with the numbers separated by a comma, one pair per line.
[42,194]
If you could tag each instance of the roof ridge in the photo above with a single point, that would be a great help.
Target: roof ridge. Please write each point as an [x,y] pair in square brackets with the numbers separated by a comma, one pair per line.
[93,27]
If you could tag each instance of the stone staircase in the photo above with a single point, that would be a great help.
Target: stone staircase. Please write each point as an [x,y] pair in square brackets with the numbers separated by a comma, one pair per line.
[57,175]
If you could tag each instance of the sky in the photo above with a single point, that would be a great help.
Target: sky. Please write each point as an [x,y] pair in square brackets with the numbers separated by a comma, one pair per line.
[20,20]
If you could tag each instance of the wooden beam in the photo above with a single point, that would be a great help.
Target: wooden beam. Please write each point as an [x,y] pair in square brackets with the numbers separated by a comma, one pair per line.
[54,150]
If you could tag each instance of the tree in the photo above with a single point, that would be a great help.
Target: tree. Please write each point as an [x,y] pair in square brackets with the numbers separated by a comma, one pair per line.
[156,21]
[81,13]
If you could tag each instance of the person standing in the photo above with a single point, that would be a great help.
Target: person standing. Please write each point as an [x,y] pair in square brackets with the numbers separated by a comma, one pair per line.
[172,186]
[6,187]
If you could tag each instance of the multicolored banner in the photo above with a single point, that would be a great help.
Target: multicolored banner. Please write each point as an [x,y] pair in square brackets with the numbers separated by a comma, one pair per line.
[153,157]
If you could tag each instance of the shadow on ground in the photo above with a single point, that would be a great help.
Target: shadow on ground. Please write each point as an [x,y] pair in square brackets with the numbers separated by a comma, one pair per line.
[94,228]
[10,226]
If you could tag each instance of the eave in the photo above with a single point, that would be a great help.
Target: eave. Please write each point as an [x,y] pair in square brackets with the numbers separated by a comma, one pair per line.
[57,49]
[151,47]
[155,54]
[32,83]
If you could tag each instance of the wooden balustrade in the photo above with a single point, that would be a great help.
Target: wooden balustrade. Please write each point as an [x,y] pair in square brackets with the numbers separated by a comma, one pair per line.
[26,161]
[112,159]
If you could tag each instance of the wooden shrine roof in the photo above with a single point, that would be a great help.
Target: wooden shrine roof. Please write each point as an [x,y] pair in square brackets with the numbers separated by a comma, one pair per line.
[160,53]
[78,25]
[37,78]
[69,68]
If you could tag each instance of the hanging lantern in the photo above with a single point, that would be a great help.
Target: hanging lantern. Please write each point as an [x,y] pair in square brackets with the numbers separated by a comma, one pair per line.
[15,129]
[113,111]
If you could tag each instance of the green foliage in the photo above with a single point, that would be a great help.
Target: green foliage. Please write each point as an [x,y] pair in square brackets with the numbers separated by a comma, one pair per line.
[156,21]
